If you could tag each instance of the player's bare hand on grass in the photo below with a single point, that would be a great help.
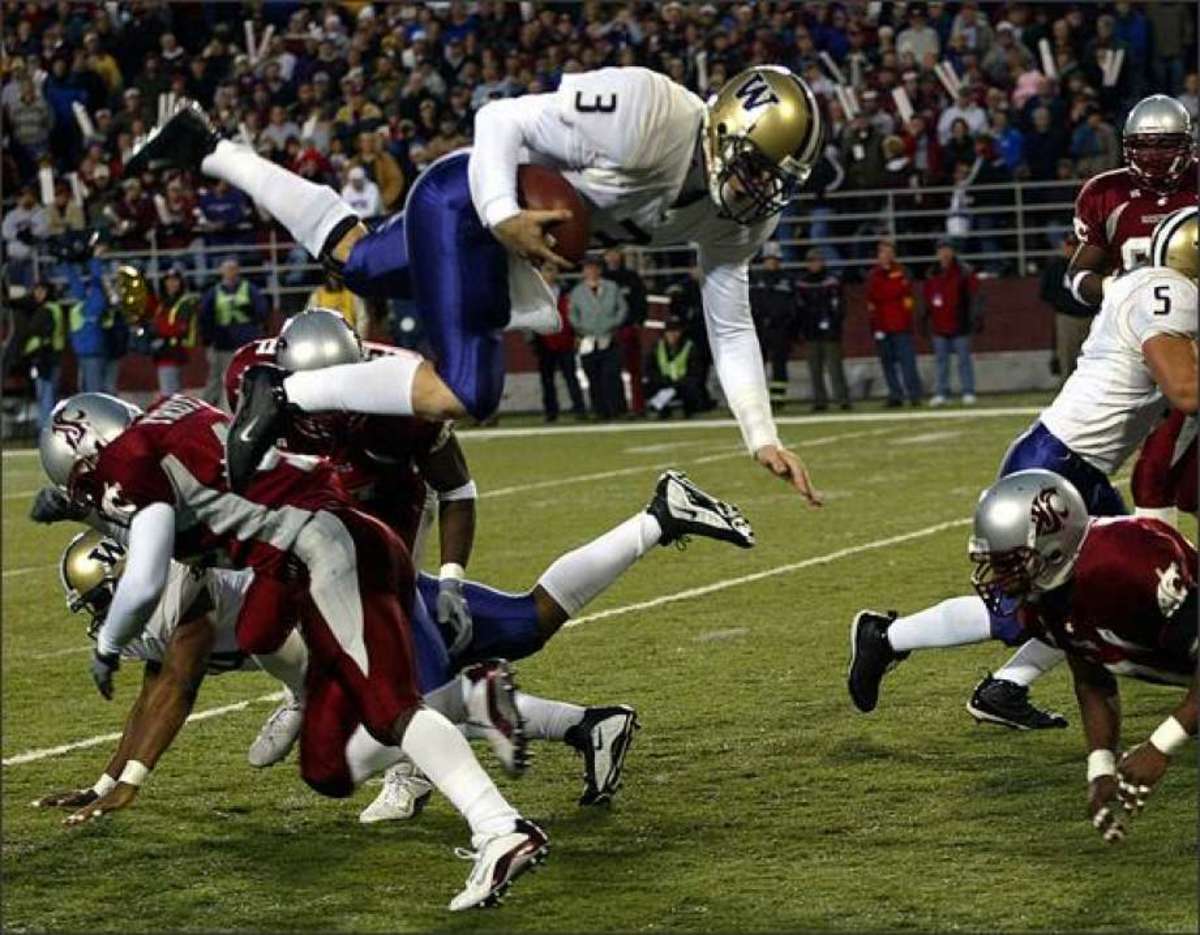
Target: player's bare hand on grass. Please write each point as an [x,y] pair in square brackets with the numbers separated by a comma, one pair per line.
[1138,773]
[786,465]
[120,796]
[72,798]
[1102,809]
[524,234]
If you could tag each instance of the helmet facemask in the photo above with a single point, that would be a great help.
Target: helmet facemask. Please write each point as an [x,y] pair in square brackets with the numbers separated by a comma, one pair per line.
[1001,578]
[1159,160]
[746,185]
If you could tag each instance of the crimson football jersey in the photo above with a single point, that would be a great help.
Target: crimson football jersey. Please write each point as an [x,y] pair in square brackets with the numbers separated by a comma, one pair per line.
[1114,213]
[1124,607]
[374,456]
[174,454]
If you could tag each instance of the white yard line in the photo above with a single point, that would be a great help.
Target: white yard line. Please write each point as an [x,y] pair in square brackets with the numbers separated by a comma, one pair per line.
[17,572]
[32,755]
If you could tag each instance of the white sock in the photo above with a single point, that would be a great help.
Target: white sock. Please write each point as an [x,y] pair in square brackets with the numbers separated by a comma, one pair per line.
[579,576]
[1032,660]
[380,387]
[309,212]
[955,622]
[367,756]
[288,664]
[442,753]
[1168,514]
[546,719]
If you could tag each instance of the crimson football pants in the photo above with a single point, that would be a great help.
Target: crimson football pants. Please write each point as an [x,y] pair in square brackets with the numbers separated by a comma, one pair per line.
[1165,472]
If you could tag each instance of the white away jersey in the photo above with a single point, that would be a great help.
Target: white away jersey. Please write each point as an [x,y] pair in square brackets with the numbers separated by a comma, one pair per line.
[626,139]
[1110,403]
[226,589]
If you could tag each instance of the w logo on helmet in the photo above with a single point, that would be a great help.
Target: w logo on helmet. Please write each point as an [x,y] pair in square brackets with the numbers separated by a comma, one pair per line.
[1048,512]
[71,428]
[756,93]
[107,552]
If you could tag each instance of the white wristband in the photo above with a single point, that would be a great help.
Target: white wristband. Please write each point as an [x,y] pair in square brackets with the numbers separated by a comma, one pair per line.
[1076,282]
[104,785]
[1169,737]
[134,773]
[452,570]
[1101,763]
[467,491]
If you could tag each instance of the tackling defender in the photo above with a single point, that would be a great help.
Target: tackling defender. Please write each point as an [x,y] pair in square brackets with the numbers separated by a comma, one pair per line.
[657,166]
[1141,345]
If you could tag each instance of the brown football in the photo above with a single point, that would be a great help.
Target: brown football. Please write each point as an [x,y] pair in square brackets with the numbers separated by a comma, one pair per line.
[542,189]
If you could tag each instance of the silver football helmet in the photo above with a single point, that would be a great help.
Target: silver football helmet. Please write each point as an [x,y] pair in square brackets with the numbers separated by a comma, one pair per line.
[1029,527]
[316,338]
[89,570]
[1158,143]
[79,427]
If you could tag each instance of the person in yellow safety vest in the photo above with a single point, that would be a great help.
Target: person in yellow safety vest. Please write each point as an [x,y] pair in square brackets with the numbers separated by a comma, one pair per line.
[233,313]
[175,329]
[673,373]
[334,295]
[44,345]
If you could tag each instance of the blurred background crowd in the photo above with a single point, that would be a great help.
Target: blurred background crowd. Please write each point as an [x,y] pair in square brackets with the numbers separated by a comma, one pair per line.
[957,129]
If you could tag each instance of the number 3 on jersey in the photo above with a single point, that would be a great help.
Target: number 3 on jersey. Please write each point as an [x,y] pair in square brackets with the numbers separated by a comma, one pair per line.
[599,104]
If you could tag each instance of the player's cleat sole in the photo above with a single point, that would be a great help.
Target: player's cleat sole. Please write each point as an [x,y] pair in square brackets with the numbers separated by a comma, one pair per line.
[492,709]
[260,419]
[278,735]
[603,737]
[871,657]
[683,509]
[499,862]
[181,142]
[998,701]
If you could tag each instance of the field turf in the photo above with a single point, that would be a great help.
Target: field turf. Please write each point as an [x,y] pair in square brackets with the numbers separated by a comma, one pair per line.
[756,798]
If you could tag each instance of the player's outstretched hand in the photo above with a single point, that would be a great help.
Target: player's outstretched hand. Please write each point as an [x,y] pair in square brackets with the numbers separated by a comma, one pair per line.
[73,798]
[120,796]
[1138,773]
[786,465]
[1102,808]
[524,234]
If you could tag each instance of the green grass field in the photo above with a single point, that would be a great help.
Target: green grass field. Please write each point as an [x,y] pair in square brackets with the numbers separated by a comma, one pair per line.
[756,798]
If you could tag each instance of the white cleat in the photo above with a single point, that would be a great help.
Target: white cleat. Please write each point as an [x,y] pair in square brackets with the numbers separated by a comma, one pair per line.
[683,509]
[492,710]
[405,792]
[499,860]
[278,734]
[603,737]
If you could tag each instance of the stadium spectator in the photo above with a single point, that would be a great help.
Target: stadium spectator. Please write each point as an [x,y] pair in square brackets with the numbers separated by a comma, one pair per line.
[674,373]
[919,39]
[24,225]
[1172,30]
[333,294]
[233,312]
[175,325]
[226,216]
[361,194]
[133,217]
[382,168]
[1072,319]
[30,120]
[820,310]
[890,302]
[596,310]
[65,214]
[87,315]
[45,341]
[629,335]
[556,355]
[773,305]
[1190,98]
[966,110]
[951,316]
[1094,145]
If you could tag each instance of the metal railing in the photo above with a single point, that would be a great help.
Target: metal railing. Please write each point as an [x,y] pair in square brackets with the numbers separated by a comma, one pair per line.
[846,226]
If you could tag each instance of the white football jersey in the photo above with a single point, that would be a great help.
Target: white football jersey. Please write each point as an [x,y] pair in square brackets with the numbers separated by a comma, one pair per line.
[627,140]
[1110,403]
[226,590]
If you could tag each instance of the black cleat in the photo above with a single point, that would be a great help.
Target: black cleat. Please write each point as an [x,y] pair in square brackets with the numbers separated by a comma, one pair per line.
[999,701]
[181,142]
[604,736]
[683,509]
[871,657]
[261,417]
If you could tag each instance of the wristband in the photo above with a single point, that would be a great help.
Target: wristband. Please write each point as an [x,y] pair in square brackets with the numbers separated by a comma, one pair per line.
[1101,763]
[1169,737]
[1077,281]
[134,773]
[104,785]
[453,571]
[467,491]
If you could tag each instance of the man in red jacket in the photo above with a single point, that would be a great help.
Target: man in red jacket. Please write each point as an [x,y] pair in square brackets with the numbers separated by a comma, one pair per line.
[951,293]
[556,354]
[890,304]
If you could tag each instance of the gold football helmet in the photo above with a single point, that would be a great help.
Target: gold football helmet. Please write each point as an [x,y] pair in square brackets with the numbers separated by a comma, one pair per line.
[89,570]
[1174,242]
[132,294]
[762,135]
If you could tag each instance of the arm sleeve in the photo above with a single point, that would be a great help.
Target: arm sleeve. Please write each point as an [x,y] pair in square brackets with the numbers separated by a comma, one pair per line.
[147,564]
[736,352]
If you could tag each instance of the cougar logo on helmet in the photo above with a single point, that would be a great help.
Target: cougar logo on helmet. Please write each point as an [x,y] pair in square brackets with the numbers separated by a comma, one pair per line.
[1049,512]
[71,428]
